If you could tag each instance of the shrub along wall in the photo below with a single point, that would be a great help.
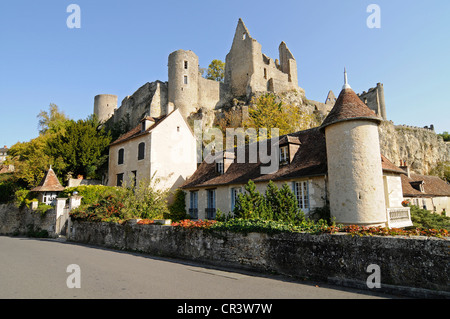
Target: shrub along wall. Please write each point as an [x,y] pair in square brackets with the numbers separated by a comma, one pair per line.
[418,262]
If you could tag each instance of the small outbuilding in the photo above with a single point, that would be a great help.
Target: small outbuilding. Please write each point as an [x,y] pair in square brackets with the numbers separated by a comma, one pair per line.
[49,188]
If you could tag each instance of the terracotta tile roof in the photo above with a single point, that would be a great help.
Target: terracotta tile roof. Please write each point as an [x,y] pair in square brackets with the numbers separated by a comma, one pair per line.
[310,160]
[135,132]
[349,106]
[49,183]
[432,185]
[390,167]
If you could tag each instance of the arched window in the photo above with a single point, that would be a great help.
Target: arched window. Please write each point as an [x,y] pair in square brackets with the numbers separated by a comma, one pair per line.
[141,151]
[120,156]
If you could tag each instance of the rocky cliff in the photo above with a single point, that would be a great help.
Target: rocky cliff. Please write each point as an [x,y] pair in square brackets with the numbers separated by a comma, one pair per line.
[422,149]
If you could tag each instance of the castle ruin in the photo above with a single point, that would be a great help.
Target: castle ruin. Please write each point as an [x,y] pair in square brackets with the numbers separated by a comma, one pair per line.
[247,72]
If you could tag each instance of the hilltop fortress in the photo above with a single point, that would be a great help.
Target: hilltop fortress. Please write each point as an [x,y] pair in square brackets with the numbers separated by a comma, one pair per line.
[249,72]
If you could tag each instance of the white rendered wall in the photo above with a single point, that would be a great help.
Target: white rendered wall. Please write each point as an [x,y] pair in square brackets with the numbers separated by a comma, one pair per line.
[355,174]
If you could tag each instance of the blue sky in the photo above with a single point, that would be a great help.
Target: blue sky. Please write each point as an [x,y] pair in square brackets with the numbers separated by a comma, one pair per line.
[121,45]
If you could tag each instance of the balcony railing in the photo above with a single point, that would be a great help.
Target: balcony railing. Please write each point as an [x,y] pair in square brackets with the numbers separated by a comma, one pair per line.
[210,213]
[193,212]
[399,217]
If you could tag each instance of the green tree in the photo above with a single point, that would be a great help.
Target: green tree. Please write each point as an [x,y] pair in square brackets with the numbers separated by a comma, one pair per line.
[445,135]
[282,204]
[216,71]
[275,204]
[30,160]
[250,204]
[52,121]
[81,149]
[289,210]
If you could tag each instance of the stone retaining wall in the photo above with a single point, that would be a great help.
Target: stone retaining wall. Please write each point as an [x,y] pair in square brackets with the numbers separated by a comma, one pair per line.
[22,221]
[418,262]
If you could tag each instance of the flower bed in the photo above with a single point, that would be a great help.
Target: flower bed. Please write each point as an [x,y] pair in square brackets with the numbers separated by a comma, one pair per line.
[146,222]
[256,225]
[188,223]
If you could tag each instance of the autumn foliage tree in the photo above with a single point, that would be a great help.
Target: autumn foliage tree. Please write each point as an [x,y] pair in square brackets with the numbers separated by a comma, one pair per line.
[267,111]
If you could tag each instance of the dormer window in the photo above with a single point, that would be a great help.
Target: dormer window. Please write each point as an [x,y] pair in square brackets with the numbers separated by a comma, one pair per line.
[146,123]
[289,146]
[219,168]
[284,154]
[418,185]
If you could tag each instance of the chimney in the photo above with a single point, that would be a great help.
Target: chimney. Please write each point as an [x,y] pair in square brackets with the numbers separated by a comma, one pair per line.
[405,167]
[146,122]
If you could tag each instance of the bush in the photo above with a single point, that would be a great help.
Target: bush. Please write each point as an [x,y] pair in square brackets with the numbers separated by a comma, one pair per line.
[7,190]
[43,208]
[36,232]
[115,204]
[109,208]
[423,218]
[239,225]
[91,193]
[177,210]
[276,204]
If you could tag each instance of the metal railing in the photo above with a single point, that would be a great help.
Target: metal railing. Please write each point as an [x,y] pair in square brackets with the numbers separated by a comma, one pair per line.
[193,212]
[210,213]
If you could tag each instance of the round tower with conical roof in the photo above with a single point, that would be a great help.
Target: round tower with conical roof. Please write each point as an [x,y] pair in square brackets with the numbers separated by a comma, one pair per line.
[355,176]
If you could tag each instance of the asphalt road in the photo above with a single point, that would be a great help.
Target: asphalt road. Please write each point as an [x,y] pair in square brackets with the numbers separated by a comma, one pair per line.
[33,268]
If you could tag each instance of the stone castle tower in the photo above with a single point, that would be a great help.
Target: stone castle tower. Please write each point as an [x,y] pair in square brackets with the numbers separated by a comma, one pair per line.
[355,176]
[183,80]
[104,106]
[247,71]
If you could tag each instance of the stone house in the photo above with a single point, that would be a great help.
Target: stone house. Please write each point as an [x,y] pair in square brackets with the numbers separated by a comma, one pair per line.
[339,163]
[49,188]
[427,192]
[160,148]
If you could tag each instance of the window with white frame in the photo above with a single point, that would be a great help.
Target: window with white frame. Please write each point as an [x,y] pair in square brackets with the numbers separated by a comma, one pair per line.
[301,191]
[235,191]
[284,154]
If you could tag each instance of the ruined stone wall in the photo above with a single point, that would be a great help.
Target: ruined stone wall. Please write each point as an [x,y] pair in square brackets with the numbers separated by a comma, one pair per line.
[374,99]
[209,93]
[149,100]
[404,262]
